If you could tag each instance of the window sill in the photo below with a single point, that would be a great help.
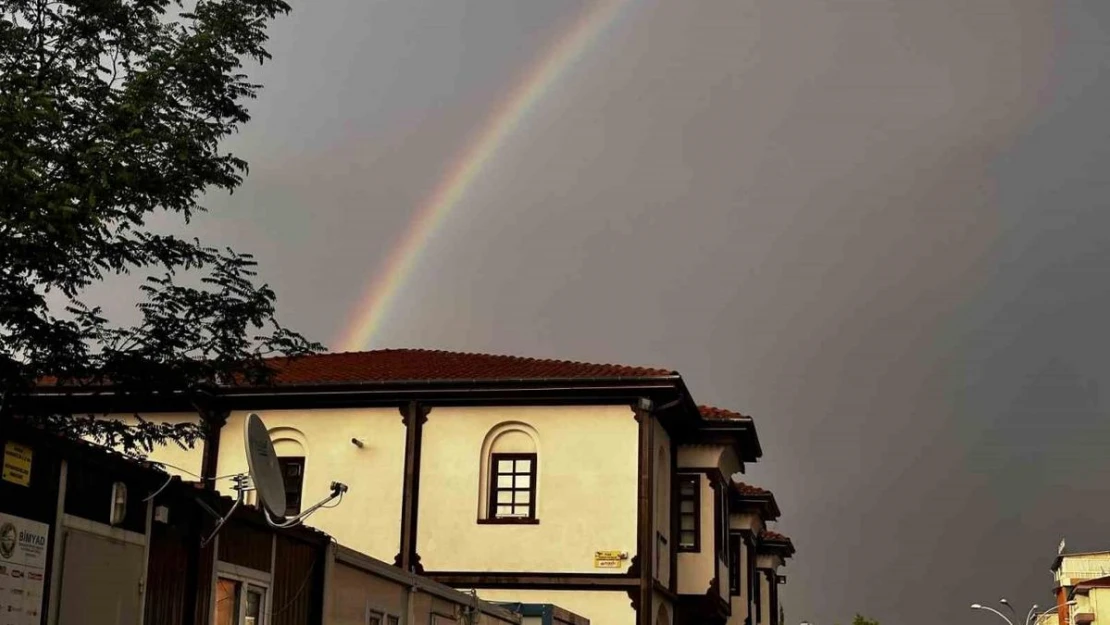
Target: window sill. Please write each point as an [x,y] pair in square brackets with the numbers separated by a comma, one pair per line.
[508,521]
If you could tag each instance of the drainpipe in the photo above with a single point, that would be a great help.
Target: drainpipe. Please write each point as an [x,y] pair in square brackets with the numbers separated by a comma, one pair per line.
[410,608]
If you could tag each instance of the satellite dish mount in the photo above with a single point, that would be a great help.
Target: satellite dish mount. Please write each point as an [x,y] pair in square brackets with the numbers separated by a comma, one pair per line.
[264,472]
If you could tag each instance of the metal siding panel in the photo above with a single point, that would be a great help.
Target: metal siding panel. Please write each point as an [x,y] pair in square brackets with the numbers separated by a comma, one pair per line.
[297,583]
[245,545]
[165,590]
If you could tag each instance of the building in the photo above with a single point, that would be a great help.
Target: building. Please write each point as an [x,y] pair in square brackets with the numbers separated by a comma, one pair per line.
[67,507]
[1092,601]
[756,556]
[1082,578]
[1075,575]
[601,488]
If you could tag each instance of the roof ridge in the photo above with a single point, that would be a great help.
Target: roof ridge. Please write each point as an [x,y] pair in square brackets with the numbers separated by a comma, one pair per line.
[446,352]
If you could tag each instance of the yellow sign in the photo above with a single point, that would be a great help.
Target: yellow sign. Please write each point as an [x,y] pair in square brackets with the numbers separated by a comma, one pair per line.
[608,559]
[17,464]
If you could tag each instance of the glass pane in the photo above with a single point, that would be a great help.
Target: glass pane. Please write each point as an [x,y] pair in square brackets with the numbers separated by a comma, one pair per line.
[393,620]
[504,481]
[686,539]
[686,507]
[375,620]
[523,481]
[504,511]
[504,496]
[523,466]
[227,602]
[687,489]
[523,496]
[686,523]
[253,609]
[521,511]
[504,466]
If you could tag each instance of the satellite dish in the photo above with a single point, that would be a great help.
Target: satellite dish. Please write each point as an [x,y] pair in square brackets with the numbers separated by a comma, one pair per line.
[263,466]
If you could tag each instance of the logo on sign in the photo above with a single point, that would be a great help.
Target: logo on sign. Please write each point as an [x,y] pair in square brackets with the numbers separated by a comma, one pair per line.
[7,540]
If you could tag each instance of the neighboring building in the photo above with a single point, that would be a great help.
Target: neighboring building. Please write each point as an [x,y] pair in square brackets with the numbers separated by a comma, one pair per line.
[1072,571]
[756,555]
[539,614]
[601,488]
[772,550]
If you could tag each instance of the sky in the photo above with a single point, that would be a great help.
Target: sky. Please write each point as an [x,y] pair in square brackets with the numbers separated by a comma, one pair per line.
[877,226]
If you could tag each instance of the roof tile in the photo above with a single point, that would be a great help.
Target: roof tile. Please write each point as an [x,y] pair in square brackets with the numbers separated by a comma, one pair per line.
[397,365]
[748,489]
[711,413]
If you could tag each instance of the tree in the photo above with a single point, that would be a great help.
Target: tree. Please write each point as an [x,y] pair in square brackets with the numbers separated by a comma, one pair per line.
[112,112]
[862,620]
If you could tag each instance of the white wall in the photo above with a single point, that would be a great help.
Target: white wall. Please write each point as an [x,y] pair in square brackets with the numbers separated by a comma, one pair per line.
[586,493]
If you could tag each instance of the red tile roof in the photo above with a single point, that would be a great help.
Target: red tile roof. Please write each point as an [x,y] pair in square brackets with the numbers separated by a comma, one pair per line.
[761,500]
[405,365]
[778,542]
[748,489]
[711,413]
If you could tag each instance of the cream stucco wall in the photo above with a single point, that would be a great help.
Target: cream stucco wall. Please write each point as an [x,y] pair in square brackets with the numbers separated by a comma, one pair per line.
[585,490]
[662,610]
[765,595]
[697,570]
[601,607]
[739,602]
[749,521]
[173,455]
[1078,567]
[1099,599]
[369,518]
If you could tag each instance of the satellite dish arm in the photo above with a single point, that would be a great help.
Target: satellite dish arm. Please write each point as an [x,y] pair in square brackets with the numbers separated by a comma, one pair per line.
[337,491]
[215,530]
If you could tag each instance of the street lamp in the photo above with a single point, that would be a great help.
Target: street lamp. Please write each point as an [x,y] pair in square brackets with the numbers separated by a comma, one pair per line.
[1029,618]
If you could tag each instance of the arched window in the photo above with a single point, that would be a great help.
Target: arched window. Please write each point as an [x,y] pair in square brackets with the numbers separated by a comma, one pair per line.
[663,617]
[289,443]
[510,471]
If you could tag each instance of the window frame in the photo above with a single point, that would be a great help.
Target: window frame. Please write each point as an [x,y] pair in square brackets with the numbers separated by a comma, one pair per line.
[736,566]
[244,584]
[491,504]
[283,463]
[721,523]
[695,480]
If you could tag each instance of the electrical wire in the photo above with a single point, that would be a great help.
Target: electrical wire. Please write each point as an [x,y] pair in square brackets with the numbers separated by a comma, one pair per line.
[155,493]
[304,583]
[199,477]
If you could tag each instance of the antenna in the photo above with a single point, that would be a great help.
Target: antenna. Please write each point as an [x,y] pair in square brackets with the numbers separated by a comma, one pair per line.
[269,484]
[264,473]
[263,466]
[1060,548]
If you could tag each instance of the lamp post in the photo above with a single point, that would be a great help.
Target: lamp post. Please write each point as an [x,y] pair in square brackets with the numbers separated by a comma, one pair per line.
[1029,618]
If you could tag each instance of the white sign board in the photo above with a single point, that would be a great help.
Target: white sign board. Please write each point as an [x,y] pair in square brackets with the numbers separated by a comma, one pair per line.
[22,570]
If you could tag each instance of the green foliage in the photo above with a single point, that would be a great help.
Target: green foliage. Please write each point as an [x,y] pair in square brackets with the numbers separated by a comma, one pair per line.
[111,112]
[862,620]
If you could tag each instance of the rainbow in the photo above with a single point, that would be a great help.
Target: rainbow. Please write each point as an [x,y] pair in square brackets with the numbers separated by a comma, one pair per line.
[452,188]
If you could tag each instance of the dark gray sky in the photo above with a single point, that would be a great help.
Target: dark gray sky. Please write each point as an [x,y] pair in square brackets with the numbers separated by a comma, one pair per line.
[878,226]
